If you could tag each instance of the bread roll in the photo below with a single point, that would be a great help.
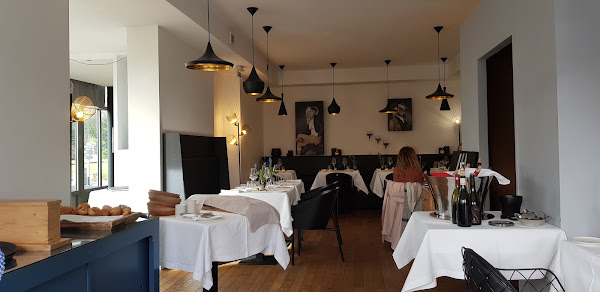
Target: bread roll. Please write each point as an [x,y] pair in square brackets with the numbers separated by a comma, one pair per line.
[103,212]
[74,211]
[82,211]
[115,211]
[107,207]
[65,210]
[126,211]
[91,212]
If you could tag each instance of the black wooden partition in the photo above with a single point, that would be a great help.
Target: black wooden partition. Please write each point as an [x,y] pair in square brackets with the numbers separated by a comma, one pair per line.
[307,167]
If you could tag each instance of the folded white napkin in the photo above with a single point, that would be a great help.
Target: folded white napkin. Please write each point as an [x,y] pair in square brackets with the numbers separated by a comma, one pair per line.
[485,172]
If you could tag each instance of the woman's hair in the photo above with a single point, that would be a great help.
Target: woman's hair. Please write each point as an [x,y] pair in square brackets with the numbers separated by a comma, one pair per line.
[407,158]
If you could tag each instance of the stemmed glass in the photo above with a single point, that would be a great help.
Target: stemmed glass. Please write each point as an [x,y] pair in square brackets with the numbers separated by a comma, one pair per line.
[276,170]
[253,175]
[279,162]
[390,161]
[333,161]
[267,174]
[344,162]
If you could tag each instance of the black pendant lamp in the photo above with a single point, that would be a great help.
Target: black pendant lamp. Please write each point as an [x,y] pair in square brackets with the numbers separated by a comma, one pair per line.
[439,92]
[268,96]
[282,109]
[333,108]
[253,85]
[445,105]
[388,108]
[209,61]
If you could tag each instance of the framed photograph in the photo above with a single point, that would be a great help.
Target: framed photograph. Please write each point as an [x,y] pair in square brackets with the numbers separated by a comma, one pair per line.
[401,120]
[310,128]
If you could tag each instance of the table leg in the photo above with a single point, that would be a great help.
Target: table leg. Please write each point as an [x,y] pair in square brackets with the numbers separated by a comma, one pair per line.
[215,276]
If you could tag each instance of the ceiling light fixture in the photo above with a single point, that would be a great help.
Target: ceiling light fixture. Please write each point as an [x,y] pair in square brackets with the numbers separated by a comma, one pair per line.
[209,61]
[333,108]
[253,85]
[388,108]
[445,105]
[282,109]
[439,92]
[268,96]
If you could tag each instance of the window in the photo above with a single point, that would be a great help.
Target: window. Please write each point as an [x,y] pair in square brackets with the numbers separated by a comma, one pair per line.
[91,149]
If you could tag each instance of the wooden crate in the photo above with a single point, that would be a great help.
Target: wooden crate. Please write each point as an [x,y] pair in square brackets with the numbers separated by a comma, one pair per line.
[31,224]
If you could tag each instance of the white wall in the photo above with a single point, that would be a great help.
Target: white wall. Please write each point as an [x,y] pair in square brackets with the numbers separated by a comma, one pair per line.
[186,96]
[360,105]
[34,115]
[120,121]
[227,102]
[535,100]
[578,74]
[145,163]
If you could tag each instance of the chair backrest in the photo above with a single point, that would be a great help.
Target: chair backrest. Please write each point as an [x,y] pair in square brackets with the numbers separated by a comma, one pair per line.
[315,192]
[481,275]
[314,213]
[346,182]
[390,176]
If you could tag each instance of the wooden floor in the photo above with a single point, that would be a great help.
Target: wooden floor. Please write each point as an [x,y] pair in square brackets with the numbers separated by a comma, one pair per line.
[368,265]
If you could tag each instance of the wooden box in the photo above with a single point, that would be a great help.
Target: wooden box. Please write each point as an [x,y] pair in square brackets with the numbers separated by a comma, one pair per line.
[31,224]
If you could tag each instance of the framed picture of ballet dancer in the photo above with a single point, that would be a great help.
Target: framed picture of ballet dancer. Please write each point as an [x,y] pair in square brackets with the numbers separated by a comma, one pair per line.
[310,128]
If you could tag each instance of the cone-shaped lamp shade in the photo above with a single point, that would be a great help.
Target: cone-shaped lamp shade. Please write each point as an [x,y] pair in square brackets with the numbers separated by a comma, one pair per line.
[253,85]
[268,96]
[439,94]
[388,109]
[445,105]
[333,108]
[209,62]
[282,109]
[246,129]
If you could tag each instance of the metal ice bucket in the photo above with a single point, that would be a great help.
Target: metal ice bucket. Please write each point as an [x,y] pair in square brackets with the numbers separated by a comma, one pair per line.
[442,193]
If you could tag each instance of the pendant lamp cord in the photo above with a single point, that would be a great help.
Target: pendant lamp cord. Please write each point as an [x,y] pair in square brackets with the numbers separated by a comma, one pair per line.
[444,75]
[253,39]
[208,4]
[333,82]
[387,68]
[281,84]
[439,77]
[268,75]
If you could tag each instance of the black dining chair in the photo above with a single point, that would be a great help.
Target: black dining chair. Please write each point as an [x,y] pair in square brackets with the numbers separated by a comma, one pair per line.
[314,214]
[346,196]
[480,275]
[334,213]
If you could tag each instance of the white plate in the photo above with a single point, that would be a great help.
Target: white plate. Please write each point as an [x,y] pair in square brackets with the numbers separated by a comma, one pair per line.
[586,240]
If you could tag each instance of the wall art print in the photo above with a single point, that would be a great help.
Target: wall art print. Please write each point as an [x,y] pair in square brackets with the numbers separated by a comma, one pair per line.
[310,128]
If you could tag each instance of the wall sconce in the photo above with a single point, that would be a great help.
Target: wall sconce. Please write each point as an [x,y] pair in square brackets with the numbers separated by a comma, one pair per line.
[458,121]
[369,134]
[235,140]
[385,144]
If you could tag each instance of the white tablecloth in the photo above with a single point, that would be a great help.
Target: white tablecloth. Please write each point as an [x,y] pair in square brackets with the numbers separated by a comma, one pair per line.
[435,245]
[282,198]
[136,200]
[355,174]
[577,266]
[378,181]
[192,246]
[287,174]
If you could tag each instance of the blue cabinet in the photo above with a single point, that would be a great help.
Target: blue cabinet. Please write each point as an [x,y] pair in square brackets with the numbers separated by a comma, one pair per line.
[119,260]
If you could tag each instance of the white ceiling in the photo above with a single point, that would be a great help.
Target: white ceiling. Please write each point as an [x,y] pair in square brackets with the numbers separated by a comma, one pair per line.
[306,35]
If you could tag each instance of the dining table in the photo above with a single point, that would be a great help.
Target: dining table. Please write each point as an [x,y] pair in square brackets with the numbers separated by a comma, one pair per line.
[321,179]
[378,181]
[198,246]
[577,264]
[435,246]
[282,196]
[287,174]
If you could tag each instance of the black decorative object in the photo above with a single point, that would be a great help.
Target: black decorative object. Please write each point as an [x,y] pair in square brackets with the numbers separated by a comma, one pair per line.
[253,84]
[388,108]
[510,205]
[333,108]
[439,92]
[268,96]
[282,109]
[209,61]
[276,152]
[290,153]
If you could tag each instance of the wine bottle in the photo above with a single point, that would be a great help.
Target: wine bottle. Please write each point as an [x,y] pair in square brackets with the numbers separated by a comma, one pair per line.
[454,199]
[464,203]
[475,208]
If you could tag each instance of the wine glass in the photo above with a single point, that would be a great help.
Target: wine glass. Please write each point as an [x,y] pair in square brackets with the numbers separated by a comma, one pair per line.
[276,170]
[253,175]
[390,161]
[279,162]
[267,174]
[344,162]
[333,161]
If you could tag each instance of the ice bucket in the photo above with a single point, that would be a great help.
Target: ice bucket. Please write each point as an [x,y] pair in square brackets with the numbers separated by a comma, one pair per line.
[442,193]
